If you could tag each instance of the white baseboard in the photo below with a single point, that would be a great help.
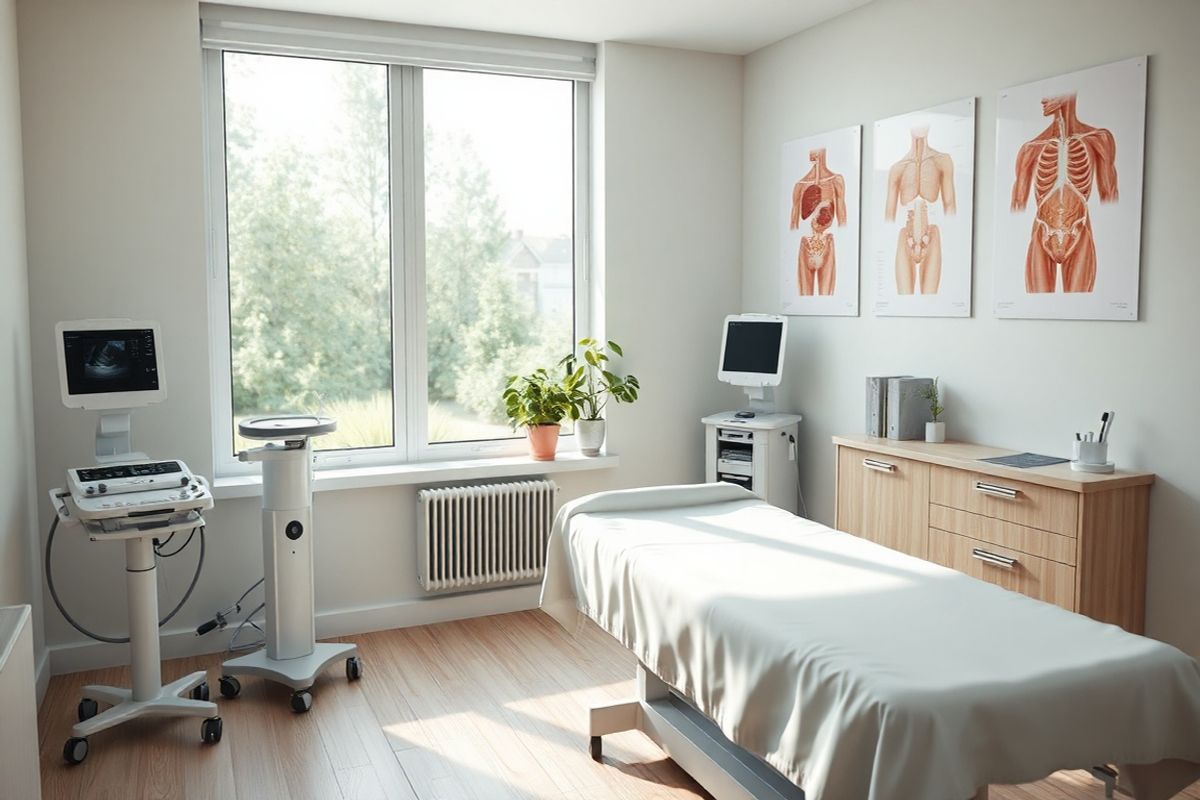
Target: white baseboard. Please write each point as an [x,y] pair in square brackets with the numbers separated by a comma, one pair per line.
[77,656]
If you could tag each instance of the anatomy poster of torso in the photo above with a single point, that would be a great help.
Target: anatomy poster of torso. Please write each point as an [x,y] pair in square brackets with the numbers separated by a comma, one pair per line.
[921,211]
[819,223]
[1069,194]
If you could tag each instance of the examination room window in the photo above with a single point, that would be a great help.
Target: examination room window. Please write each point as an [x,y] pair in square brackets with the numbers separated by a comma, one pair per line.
[307,193]
[499,242]
[390,237]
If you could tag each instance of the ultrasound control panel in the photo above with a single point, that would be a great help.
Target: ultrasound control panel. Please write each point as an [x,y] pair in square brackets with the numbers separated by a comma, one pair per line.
[140,476]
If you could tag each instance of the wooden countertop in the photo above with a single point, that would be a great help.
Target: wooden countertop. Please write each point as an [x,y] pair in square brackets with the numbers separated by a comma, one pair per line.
[964,455]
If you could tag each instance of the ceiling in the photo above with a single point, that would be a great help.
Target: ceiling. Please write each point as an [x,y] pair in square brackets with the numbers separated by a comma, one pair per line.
[717,26]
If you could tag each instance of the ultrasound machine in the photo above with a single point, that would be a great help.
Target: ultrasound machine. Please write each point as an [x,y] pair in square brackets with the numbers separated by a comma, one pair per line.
[113,366]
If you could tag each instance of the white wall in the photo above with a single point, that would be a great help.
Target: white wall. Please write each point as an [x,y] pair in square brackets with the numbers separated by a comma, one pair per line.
[1011,383]
[19,576]
[116,221]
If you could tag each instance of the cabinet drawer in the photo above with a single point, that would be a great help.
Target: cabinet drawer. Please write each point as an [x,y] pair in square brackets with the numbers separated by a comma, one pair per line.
[1001,566]
[1030,541]
[884,499]
[1043,507]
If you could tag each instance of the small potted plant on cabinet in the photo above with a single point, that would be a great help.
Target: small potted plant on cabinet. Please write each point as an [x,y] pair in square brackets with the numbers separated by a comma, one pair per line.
[934,431]
[592,384]
[538,403]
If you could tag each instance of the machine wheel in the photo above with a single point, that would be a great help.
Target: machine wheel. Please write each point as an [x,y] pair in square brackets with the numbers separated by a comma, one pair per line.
[230,686]
[210,730]
[75,750]
[88,708]
[200,691]
[354,668]
[595,748]
[302,700]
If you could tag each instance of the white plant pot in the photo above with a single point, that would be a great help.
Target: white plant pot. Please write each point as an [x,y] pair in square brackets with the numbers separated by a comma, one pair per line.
[935,432]
[590,435]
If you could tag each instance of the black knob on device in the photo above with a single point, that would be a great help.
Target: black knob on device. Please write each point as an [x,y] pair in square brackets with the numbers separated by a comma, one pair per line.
[294,530]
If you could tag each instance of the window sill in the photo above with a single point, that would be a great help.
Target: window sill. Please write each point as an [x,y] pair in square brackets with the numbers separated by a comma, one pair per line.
[328,480]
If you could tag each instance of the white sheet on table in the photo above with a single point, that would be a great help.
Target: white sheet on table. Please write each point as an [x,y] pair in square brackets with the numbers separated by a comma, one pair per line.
[857,671]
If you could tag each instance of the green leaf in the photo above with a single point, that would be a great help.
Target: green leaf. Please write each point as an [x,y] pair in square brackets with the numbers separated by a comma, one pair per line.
[616,348]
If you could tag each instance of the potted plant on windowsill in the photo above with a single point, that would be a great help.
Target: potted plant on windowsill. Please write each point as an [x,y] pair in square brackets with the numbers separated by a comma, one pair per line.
[591,385]
[537,403]
[935,431]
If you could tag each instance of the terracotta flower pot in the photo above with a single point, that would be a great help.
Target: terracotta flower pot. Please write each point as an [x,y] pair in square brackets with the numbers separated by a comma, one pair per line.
[543,441]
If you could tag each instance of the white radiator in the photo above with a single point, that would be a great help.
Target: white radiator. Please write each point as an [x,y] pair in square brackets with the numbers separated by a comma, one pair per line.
[482,536]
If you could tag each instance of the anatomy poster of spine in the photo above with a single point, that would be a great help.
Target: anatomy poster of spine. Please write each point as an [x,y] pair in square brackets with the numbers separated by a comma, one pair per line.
[819,223]
[1069,194]
[921,212]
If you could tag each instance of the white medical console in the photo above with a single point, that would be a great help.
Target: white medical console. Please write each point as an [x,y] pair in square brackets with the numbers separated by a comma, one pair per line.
[756,452]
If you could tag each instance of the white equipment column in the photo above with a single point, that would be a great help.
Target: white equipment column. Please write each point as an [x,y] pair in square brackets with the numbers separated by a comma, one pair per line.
[292,656]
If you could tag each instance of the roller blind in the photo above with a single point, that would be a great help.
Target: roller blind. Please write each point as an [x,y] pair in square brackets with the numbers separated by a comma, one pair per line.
[315,35]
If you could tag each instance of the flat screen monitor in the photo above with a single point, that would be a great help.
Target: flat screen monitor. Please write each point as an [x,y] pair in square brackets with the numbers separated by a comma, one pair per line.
[752,349]
[109,363]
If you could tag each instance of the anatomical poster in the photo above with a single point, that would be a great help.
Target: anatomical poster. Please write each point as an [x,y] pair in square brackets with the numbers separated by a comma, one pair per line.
[1068,201]
[923,185]
[819,223]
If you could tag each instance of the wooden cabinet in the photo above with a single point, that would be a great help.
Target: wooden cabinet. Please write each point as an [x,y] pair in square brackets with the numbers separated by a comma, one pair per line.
[1077,540]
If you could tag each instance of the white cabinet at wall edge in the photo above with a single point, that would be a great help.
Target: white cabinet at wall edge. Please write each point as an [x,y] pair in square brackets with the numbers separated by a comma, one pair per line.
[758,453]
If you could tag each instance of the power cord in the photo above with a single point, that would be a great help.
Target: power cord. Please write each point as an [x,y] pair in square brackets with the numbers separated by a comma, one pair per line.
[158,552]
[799,491]
[114,639]
[221,620]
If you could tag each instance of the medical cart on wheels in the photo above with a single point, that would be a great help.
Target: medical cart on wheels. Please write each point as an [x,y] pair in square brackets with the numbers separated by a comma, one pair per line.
[137,525]
[113,366]
[293,656]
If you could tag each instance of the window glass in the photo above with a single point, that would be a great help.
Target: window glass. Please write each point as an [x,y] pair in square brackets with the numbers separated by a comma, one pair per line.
[499,241]
[309,232]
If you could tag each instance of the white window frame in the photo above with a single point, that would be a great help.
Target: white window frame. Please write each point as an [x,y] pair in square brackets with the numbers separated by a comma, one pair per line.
[409,344]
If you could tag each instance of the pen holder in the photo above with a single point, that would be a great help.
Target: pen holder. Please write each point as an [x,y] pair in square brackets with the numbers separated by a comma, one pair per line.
[1091,457]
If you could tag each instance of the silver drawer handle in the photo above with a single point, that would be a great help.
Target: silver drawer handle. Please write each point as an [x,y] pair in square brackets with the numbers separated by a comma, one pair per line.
[881,466]
[993,558]
[995,490]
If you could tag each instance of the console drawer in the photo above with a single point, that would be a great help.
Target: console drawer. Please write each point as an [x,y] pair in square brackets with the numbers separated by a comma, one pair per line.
[1009,569]
[1031,541]
[1029,504]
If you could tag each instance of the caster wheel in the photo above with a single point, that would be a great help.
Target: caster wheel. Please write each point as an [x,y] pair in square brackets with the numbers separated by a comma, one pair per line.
[354,668]
[230,686]
[200,691]
[302,701]
[210,730]
[75,750]
[595,748]
[88,708]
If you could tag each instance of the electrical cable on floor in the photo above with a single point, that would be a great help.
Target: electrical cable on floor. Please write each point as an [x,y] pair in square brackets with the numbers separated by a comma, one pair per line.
[234,647]
[100,637]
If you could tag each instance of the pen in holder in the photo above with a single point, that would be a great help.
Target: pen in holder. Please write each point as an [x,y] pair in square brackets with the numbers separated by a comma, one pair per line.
[1091,455]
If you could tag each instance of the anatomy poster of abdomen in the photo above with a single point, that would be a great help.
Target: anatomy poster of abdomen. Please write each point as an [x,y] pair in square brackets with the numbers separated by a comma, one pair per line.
[921,211]
[1069,157]
[819,223]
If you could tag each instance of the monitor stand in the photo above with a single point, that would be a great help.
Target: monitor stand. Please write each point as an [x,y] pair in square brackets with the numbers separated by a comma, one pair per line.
[761,400]
[114,437]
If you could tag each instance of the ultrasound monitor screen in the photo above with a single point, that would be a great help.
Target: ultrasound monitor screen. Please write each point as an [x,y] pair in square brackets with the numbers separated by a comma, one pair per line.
[752,347]
[99,362]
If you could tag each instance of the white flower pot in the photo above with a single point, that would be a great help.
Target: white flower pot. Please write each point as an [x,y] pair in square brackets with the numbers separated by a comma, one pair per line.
[590,433]
[935,432]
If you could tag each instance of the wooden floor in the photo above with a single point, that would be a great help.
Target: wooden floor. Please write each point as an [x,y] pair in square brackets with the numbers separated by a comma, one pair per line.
[485,709]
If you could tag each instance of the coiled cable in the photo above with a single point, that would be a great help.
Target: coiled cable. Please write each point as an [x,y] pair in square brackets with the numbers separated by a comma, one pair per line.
[100,637]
